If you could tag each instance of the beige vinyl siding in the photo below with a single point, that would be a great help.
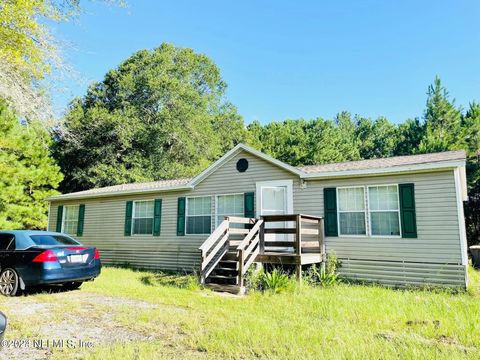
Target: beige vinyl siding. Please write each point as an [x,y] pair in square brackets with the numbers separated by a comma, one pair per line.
[438,238]
[105,219]
[435,256]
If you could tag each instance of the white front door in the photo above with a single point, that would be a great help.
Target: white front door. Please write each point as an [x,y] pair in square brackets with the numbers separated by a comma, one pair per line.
[275,198]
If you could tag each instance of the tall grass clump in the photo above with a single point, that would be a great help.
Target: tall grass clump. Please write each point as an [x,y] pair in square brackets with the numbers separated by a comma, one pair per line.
[253,278]
[323,275]
[182,281]
[276,281]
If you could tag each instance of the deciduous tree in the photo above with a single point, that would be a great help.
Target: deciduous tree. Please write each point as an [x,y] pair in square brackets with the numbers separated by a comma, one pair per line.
[29,53]
[161,114]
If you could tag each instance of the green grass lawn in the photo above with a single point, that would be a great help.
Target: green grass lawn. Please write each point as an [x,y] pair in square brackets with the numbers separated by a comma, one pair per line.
[141,315]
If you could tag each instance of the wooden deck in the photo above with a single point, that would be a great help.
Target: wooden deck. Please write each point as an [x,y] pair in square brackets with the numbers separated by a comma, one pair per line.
[303,241]
[293,239]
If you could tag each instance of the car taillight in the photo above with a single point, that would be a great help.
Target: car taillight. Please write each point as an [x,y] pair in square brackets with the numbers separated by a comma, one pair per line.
[97,255]
[46,256]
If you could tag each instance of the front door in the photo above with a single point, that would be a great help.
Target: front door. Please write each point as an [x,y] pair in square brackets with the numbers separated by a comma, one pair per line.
[275,198]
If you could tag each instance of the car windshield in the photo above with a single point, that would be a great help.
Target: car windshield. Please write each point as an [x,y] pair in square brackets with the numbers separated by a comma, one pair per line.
[47,240]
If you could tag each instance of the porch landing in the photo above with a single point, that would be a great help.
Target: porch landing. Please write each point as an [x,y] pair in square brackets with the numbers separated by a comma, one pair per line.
[287,259]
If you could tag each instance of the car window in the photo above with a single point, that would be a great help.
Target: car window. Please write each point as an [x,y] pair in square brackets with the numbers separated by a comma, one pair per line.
[47,240]
[7,242]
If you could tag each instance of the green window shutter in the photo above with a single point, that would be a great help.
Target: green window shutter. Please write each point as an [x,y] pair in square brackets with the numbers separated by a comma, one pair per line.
[330,211]
[181,217]
[81,219]
[407,210]
[59,218]
[157,217]
[249,209]
[128,218]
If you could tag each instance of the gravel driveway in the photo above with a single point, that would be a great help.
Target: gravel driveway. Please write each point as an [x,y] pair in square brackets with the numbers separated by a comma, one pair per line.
[71,320]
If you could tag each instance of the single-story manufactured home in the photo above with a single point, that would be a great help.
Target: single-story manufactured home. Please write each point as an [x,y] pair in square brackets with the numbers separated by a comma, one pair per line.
[397,221]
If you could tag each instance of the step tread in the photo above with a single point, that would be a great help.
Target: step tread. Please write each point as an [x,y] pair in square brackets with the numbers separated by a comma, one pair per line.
[232,289]
[222,277]
[230,256]
[231,264]
[225,269]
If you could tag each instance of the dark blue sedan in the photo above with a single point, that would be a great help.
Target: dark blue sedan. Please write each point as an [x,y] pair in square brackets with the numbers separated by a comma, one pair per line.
[30,258]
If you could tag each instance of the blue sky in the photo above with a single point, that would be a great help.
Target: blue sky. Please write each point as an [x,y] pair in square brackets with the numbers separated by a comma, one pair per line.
[292,59]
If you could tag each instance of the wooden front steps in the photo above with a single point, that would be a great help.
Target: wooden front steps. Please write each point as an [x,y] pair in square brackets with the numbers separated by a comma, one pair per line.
[224,277]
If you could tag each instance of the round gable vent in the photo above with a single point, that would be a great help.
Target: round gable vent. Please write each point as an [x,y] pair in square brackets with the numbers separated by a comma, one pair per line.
[242,165]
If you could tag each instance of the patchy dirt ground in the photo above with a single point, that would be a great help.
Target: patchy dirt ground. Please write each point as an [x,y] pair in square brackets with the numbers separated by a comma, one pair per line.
[90,319]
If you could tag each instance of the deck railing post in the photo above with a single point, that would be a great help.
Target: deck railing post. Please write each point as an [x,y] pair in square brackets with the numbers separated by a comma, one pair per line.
[321,242]
[241,260]
[298,235]
[298,241]
[227,231]
[201,277]
[262,237]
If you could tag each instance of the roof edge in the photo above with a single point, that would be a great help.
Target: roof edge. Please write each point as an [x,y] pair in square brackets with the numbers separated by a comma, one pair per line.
[437,165]
[73,196]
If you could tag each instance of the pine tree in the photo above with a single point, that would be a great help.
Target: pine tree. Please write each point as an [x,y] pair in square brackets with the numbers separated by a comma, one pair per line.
[471,128]
[443,121]
[28,173]
[377,138]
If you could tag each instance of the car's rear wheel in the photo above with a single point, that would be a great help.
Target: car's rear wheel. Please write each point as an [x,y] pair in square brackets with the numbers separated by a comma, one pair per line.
[73,285]
[9,282]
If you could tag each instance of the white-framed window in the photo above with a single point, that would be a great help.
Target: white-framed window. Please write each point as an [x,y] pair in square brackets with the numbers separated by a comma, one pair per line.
[352,211]
[142,217]
[199,215]
[70,219]
[384,210]
[229,205]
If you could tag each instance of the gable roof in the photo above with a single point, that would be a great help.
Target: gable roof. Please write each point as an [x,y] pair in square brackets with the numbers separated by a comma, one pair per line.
[250,150]
[409,163]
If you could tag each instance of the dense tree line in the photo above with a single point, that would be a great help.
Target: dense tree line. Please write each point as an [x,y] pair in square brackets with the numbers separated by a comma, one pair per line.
[346,137]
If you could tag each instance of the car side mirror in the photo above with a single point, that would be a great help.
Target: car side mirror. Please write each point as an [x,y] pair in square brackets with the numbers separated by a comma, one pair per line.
[3,326]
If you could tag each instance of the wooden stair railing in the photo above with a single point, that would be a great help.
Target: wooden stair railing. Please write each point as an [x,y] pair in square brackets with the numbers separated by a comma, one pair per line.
[229,251]
[248,250]
[213,250]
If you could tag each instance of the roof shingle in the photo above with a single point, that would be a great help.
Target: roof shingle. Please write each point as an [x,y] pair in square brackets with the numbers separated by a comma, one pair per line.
[152,185]
[385,162]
